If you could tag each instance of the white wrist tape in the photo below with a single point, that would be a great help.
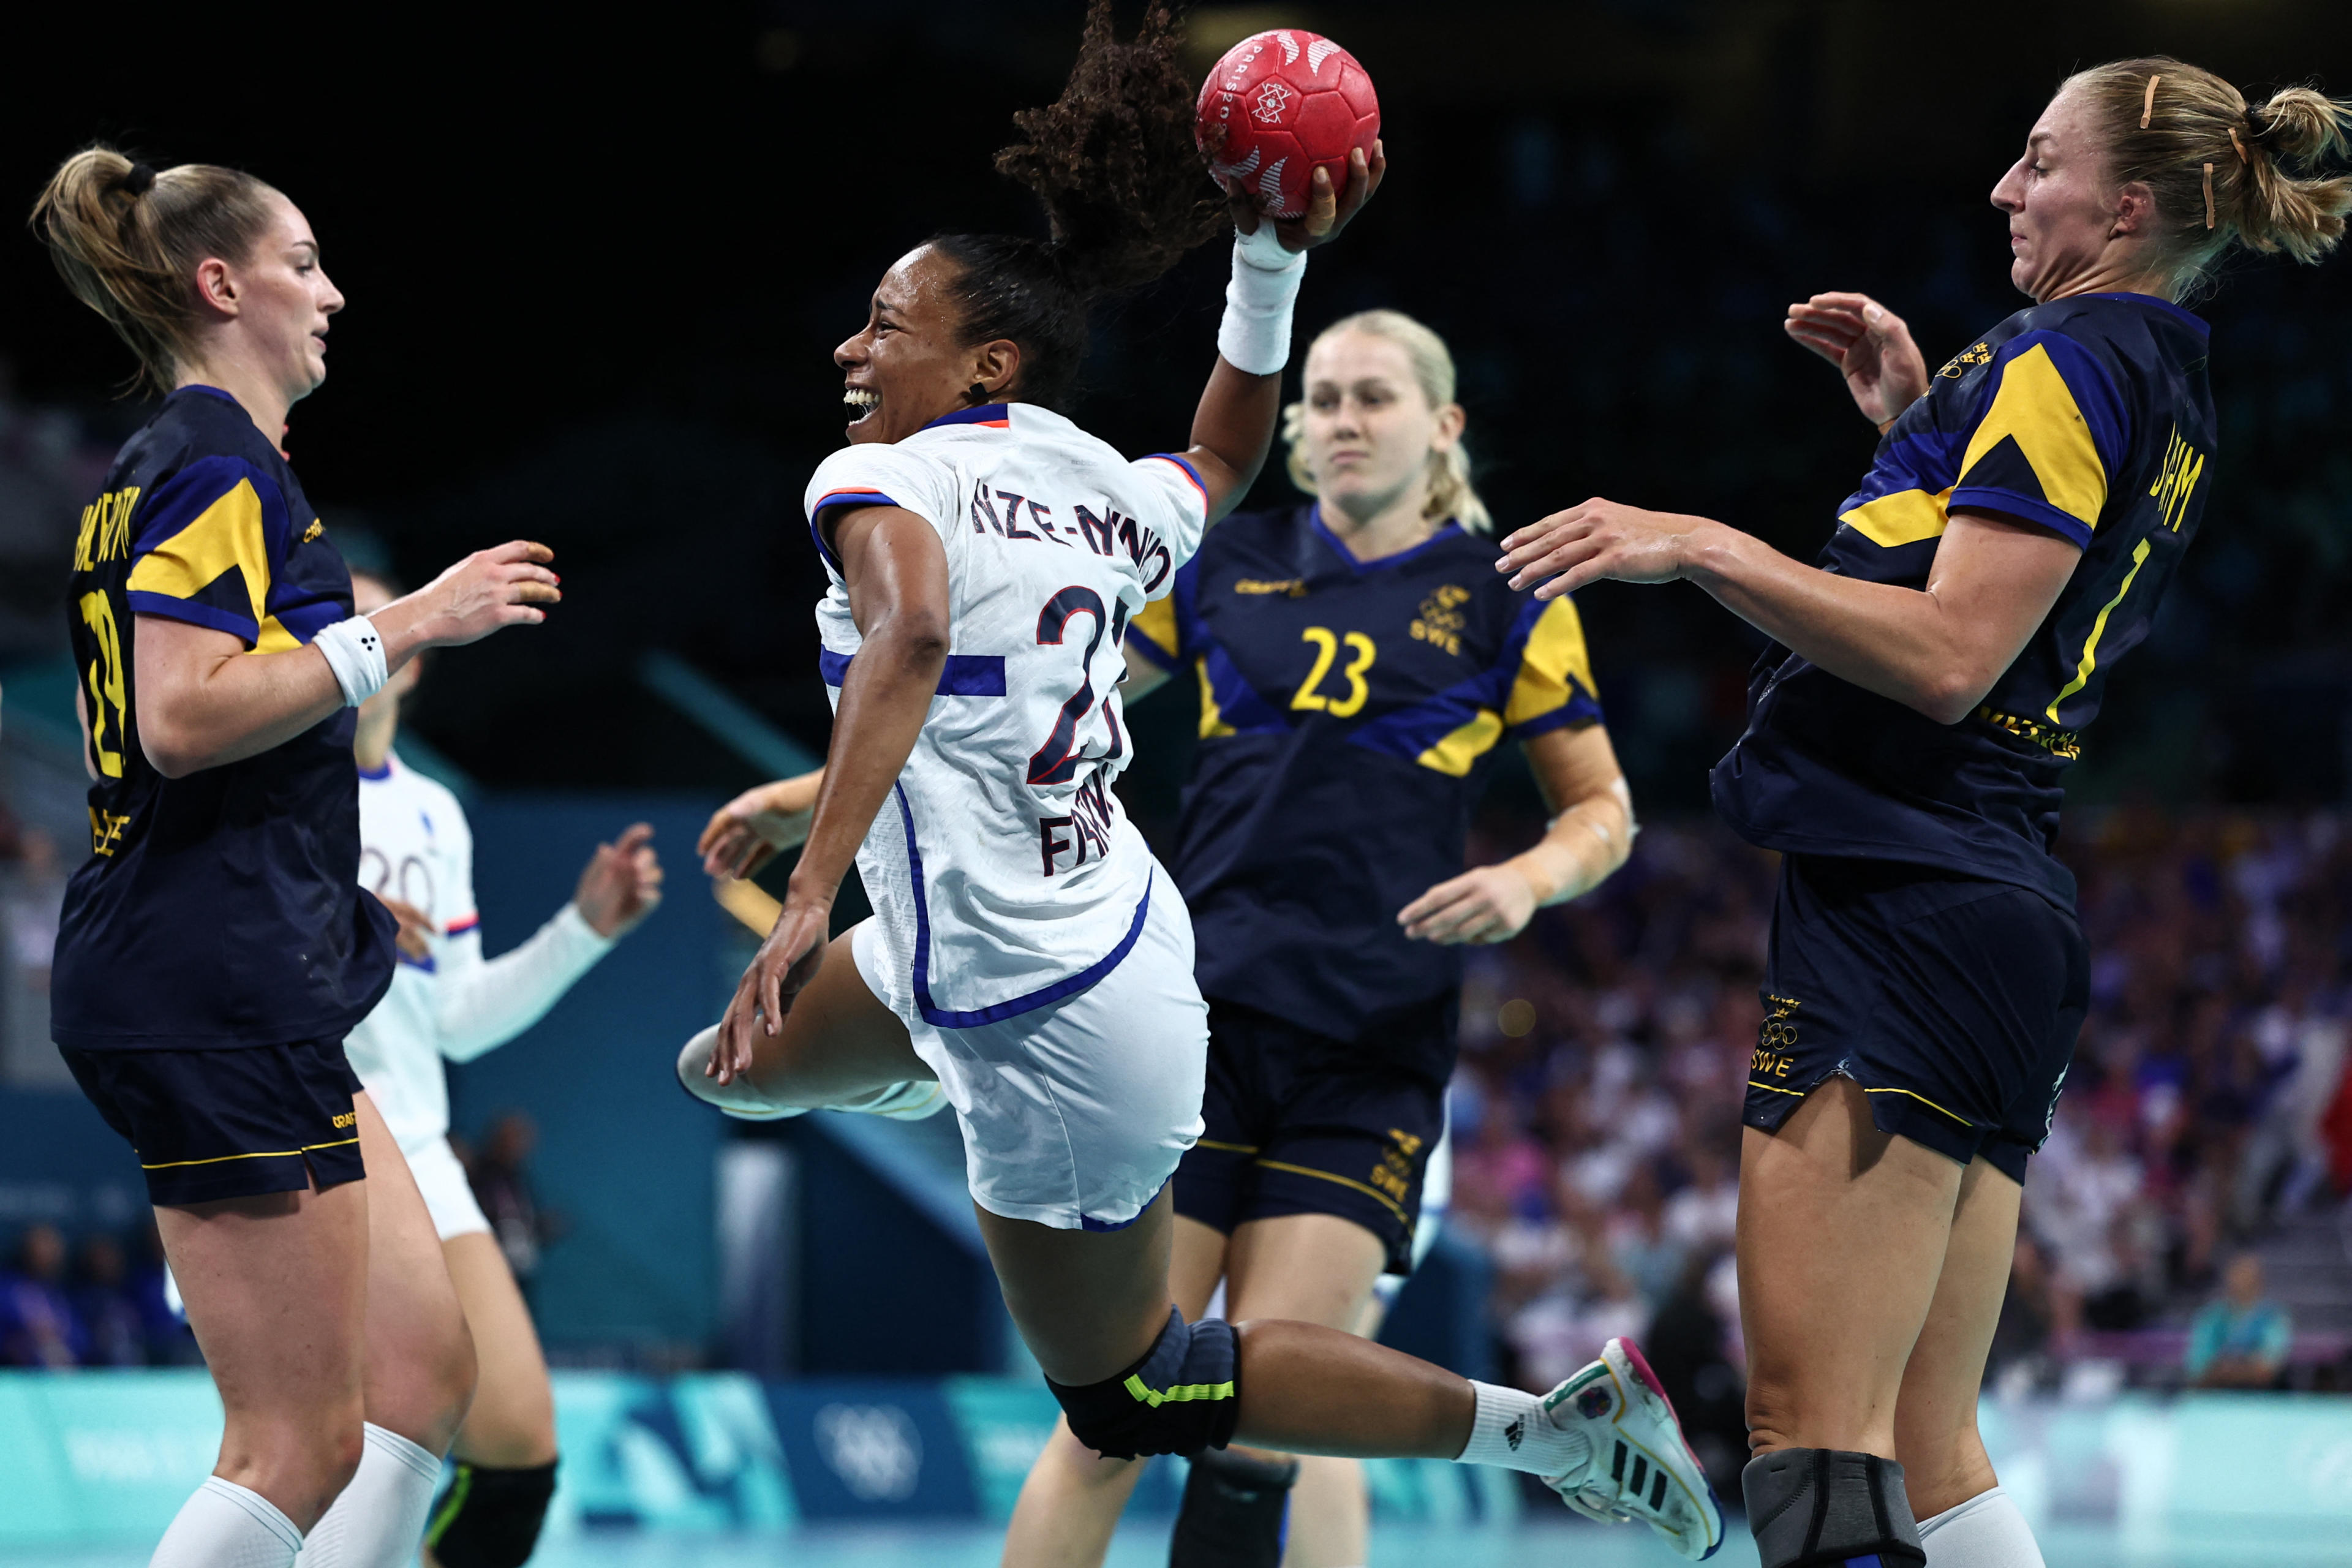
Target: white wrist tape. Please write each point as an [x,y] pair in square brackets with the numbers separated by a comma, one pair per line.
[355,651]
[1254,336]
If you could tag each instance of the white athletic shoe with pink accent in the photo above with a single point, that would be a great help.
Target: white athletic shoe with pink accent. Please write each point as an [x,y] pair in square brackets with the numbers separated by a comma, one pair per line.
[1640,1468]
[909,1101]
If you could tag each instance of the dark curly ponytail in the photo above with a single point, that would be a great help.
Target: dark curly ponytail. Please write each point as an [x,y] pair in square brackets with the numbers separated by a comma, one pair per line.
[1125,192]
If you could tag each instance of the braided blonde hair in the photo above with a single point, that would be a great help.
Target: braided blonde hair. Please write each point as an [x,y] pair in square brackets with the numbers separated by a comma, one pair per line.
[1451,493]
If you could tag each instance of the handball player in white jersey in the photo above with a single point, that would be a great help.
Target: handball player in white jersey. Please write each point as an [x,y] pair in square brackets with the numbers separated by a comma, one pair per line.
[448,1002]
[985,557]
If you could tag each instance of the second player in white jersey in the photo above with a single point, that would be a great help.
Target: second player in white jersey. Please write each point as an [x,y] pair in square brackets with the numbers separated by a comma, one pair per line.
[446,1002]
[1005,870]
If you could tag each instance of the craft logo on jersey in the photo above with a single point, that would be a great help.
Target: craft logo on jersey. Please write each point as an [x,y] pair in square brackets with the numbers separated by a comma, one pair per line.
[1273,97]
[2184,465]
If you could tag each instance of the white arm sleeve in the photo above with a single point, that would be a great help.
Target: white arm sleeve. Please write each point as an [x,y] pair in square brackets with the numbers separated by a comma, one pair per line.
[481,1004]
[477,1005]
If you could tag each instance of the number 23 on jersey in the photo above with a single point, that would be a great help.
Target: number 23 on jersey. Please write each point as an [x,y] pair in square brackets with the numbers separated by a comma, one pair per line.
[1311,698]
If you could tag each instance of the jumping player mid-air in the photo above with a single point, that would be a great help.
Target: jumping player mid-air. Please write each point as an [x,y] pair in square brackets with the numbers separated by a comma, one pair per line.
[1360,665]
[1907,738]
[987,557]
[416,855]
[216,947]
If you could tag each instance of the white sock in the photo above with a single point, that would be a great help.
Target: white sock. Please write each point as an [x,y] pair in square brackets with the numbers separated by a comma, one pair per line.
[379,1521]
[1512,1430]
[1988,1530]
[224,1525]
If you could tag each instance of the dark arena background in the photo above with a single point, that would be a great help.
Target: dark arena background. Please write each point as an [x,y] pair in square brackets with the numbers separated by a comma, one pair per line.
[596,264]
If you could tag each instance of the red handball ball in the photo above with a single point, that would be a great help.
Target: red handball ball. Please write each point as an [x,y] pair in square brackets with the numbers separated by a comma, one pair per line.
[1279,106]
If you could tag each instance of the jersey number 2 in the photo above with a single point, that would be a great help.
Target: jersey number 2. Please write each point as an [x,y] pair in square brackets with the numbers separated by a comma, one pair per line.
[109,700]
[1056,762]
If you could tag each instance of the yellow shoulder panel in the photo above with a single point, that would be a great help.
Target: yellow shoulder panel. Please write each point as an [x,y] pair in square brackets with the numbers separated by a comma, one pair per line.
[1555,655]
[1456,753]
[1156,620]
[1906,517]
[2035,407]
[1213,718]
[225,537]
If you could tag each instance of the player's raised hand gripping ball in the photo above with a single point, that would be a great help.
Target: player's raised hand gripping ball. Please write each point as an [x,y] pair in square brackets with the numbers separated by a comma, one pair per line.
[1279,105]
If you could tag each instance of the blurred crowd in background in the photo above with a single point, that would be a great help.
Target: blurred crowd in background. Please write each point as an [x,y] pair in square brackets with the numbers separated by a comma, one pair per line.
[1606,1052]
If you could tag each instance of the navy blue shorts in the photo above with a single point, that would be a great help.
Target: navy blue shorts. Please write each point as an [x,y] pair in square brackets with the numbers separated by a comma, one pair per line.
[231,1123]
[1953,1003]
[1298,1122]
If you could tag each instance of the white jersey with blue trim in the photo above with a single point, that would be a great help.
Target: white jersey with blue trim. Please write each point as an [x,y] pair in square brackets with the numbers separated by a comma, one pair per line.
[416,846]
[1002,870]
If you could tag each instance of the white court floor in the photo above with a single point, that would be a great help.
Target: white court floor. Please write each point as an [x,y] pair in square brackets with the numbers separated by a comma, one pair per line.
[1397,1546]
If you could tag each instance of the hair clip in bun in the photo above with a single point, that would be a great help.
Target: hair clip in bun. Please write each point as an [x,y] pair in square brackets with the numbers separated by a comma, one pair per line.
[2240,146]
[139,179]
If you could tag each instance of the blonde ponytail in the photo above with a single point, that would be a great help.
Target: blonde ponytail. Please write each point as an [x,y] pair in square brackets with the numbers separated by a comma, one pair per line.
[1451,492]
[2221,170]
[128,240]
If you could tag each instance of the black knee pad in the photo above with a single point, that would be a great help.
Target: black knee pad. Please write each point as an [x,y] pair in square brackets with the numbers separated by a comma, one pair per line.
[1232,1512]
[1179,1399]
[1828,1507]
[490,1518]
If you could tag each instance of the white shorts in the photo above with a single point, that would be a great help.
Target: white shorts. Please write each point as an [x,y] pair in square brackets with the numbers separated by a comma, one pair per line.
[1073,1115]
[448,1196]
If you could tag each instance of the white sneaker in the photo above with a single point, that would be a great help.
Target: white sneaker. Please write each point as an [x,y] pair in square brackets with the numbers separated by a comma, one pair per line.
[1640,1467]
[899,1101]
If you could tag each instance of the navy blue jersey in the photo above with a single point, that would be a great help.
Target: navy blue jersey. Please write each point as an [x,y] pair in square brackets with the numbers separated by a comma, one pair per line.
[1349,712]
[2089,416]
[222,908]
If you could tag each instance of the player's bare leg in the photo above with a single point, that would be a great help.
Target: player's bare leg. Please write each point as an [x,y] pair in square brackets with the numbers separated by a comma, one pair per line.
[838,1044]
[1306,1268]
[418,1372]
[276,1288]
[1331,1511]
[420,1354]
[512,1422]
[508,1443]
[1071,1503]
[1936,1437]
[1089,1306]
[1842,1239]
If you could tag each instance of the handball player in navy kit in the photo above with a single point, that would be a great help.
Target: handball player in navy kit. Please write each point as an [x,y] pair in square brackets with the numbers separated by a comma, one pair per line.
[215,947]
[1908,735]
[1359,666]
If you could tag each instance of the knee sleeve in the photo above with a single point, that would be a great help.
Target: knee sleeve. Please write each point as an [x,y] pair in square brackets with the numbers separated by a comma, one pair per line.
[1829,1507]
[1233,1512]
[1179,1399]
[491,1517]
